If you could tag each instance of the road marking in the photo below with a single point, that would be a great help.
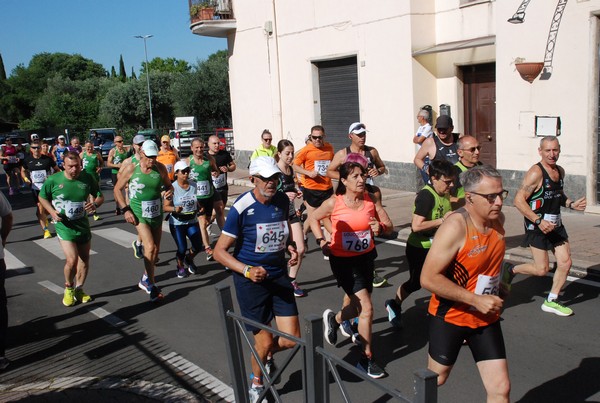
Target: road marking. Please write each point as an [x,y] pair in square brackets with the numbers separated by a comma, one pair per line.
[116,235]
[198,374]
[53,246]
[12,263]
[101,313]
[390,241]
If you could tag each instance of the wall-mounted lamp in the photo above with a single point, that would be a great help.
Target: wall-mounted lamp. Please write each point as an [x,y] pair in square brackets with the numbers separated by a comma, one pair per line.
[269,28]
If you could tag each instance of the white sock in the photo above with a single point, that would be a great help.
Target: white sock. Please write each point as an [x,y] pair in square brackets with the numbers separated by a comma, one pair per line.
[551,297]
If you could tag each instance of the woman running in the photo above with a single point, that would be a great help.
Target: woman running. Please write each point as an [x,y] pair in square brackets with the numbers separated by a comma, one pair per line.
[285,156]
[183,220]
[356,217]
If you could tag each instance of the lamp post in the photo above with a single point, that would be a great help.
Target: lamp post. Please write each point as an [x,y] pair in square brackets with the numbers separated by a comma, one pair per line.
[144,37]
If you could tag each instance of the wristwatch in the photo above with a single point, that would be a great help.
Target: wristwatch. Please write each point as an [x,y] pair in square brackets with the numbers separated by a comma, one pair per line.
[538,221]
[319,241]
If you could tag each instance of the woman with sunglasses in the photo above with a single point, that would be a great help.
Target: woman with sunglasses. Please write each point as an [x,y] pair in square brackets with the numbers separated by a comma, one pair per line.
[432,207]
[266,149]
[168,156]
[356,218]
[182,221]
[285,156]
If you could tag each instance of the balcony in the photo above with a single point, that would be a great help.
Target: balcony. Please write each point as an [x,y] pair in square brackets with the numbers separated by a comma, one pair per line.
[211,18]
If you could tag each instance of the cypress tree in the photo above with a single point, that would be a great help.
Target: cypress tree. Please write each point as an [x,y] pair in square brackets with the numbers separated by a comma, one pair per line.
[122,73]
[133,76]
[113,72]
[2,71]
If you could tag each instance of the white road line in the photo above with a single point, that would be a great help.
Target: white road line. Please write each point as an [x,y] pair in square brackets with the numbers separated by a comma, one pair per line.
[116,235]
[12,263]
[53,246]
[198,374]
[103,314]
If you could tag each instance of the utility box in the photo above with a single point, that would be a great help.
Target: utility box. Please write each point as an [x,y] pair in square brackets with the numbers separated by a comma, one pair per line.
[186,123]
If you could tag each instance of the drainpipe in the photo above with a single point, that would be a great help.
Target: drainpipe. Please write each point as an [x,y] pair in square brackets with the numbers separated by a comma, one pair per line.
[278,72]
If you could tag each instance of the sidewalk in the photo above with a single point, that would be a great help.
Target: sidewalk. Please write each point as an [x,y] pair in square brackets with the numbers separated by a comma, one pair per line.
[583,229]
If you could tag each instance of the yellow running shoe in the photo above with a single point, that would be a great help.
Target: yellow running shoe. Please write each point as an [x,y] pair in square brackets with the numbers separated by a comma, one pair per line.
[69,298]
[47,234]
[82,296]
[97,217]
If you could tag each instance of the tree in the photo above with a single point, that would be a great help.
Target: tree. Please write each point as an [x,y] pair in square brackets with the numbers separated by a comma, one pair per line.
[169,65]
[113,72]
[2,70]
[133,76]
[122,73]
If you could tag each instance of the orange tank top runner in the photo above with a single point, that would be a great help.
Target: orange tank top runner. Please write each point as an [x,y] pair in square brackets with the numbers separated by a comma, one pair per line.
[352,233]
[168,159]
[477,269]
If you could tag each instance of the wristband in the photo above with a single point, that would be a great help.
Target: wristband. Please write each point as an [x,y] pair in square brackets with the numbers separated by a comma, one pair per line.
[95,205]
[125,209]
[570,205]
[319,241]
[247,271]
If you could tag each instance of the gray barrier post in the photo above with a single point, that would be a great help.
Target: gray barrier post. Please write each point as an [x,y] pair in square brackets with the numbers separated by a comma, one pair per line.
[313,377]
[425,386]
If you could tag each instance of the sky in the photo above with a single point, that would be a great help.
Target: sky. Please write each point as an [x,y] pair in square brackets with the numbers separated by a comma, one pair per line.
[101,31]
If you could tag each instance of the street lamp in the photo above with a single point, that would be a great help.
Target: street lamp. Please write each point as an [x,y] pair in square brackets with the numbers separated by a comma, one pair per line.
[144,37]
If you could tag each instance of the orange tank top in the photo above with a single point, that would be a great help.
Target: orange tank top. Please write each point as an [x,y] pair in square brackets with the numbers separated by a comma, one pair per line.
[168,159]
[352,233]
[477,269]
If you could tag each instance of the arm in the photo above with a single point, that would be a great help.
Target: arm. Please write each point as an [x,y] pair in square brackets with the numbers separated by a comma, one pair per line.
[383,225]
[316,216]
[25,174]
[579,204]
[222,255]
[123,178]
[110,159]
[215,171]
[424,152]
[379,166]
[231,166]
[448,241]
[334,165]
[531,182]
[100,162]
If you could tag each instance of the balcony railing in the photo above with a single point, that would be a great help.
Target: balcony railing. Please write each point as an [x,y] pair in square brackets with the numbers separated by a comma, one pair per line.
[211,17]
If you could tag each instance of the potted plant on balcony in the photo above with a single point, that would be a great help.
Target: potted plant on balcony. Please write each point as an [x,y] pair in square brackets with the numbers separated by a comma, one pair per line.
[202,10]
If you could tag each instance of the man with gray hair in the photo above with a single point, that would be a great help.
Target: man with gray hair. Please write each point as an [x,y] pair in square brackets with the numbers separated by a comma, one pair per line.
[423,133]
[462,270]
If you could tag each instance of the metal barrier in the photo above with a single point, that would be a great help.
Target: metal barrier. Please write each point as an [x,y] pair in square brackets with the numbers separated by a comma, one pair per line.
[317,362]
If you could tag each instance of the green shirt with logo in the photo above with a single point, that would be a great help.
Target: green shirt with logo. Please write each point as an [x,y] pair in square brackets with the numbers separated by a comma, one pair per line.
[201,174]
[144,196]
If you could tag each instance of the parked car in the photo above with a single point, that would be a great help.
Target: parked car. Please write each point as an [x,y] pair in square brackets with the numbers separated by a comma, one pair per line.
[182,140]
[151,134]
[103,139]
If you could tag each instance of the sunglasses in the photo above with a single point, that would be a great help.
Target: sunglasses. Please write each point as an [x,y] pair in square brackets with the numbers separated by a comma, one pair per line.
[274,178]
[118,141]
[185,171]
[165,142]
[268,139]
[360,134]
[316,137]
[34,148]
[491,197]
[443,131]
[472,149]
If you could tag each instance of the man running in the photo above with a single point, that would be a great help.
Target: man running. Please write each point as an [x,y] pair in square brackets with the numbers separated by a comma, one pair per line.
[468,157]
[115,159]
[438,147]
[66,197]
[35,169]
[58,150]
[146,180]
[539,200]
[168,156]
[92,163]
[225,164]
[462,270]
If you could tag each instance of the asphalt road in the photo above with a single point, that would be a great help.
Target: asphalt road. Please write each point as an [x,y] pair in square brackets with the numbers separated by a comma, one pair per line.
[179,341]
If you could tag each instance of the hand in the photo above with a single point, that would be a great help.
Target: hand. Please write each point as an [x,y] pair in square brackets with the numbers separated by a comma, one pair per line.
[546,227]
[375,227]
[579,204]
[89,207]
[130,217]
[326,249]
[258,274]
[299,194]
[293,255]
[55,216]
[488,304]
[291,195]
[169,194]
[178,209]
[224,169]
[373,172]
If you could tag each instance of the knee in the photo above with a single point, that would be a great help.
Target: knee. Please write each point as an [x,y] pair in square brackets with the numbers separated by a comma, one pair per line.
[301,248]
[500,388]
[366,311]
[284,343]
[150,248]
[540,269]
[564,264]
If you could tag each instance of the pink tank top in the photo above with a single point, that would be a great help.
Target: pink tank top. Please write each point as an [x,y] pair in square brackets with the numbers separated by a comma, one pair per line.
[352,233]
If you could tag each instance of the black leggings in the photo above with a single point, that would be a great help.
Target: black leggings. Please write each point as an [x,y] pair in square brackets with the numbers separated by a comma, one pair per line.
[416,258]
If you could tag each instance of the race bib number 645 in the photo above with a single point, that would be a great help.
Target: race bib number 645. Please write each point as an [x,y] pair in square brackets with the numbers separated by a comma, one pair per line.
[271,237]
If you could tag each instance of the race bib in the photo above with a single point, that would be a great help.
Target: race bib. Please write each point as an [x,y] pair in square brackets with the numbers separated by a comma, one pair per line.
[220,181]
[358,241]
[151,208]
[169,168]
[38,177]
[203,188]
[271,237]
[554,219]
[188,203]
[74,210]
[321,166]
[12,159]
[487,285]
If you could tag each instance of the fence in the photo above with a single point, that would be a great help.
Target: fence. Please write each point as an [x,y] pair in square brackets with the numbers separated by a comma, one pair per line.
[317,363]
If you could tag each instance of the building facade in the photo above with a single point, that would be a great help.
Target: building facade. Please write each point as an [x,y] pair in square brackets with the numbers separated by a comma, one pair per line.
[296,64]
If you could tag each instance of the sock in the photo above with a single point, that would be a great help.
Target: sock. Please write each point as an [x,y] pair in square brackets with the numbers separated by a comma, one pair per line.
[138,243]
[551,297]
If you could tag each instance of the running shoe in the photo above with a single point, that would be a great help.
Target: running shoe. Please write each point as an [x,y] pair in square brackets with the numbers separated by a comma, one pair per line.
[330,327]
[181,273]
[254,392]
[369,366]
[192,268]
[271,368]
[556,308]
[209,253]
[394,311]
[346,328]
[138,250]
[144,284]
[325,257]
[298,292]
[377,280]
[506,277]
[155,294]
[11,192]
[97,217]
[4,362]
[47,234]
[81,296]
[69,297]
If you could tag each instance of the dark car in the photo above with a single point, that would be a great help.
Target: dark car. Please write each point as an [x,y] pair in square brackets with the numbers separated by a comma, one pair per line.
[151,134]
[103,139]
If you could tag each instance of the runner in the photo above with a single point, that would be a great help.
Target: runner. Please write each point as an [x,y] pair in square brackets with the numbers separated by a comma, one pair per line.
[75,146]
[92,164]
[182,220]
[168,156]
[146,179]
[462,270]
[356,218]
[202,172]
[432,207]
[116,156]
[58,150]
[225,164]
[285,156]
[258,264]
[34,171]
[66,197]
[8,154]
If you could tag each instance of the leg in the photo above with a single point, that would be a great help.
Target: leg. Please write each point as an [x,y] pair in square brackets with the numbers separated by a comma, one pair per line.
[203,222]
[71,256]
[219,207]
[83,263]
[365,323]
[151,240]
[299,238]
[263,342]
[563,265]
[494,374]
[443,371]
[539,267]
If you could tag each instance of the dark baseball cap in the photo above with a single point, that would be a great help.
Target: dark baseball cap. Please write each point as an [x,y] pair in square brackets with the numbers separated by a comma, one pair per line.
[443,122]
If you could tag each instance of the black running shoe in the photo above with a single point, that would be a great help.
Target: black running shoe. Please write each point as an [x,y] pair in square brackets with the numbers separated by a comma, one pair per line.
[330,327]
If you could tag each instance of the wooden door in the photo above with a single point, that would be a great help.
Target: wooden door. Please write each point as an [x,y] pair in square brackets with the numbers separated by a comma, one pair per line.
[480,108]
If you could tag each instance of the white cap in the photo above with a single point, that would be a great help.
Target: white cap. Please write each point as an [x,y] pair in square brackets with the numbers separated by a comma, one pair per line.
[34,136]
[357,128]
[181,165]
[263,166]
[61,137]
[149,148]
[138,139]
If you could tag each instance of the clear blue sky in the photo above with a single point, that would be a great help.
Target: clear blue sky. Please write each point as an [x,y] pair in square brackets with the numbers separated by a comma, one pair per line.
[100,31]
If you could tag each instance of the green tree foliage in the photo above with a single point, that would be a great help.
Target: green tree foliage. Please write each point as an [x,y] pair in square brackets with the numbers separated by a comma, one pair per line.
[113,72]
[2,69]
[133,76]
[168,65]
[122,73]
